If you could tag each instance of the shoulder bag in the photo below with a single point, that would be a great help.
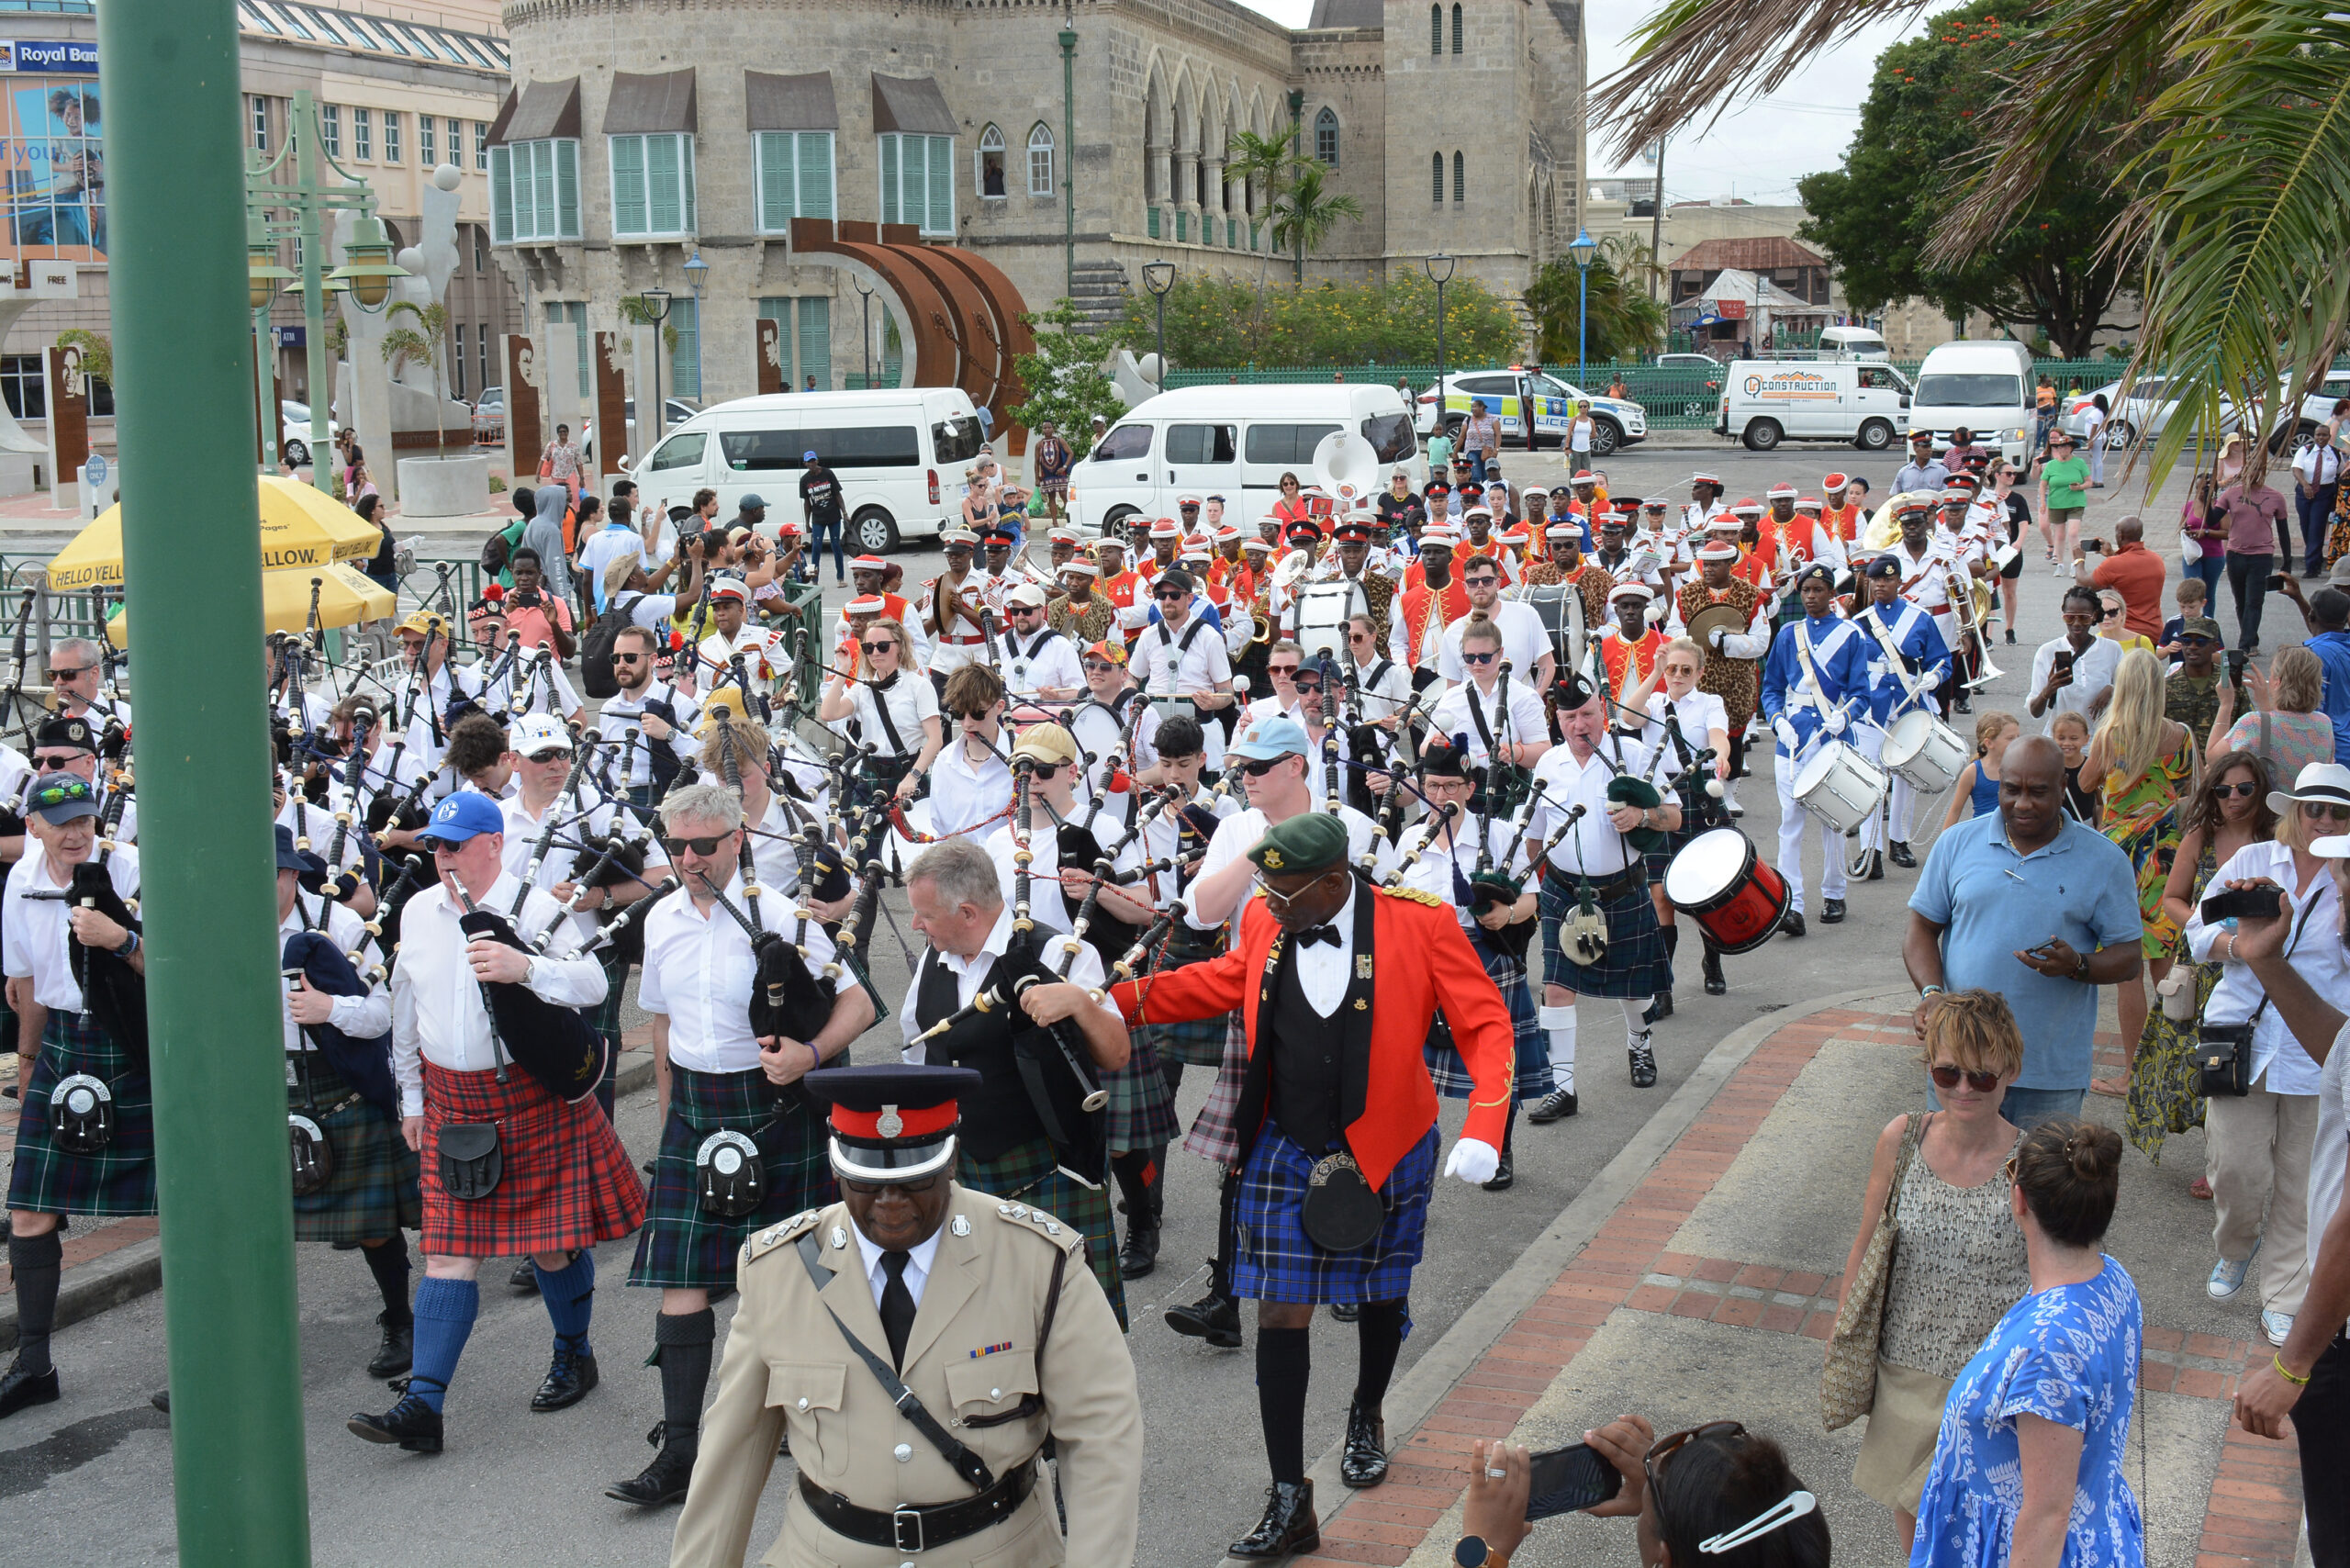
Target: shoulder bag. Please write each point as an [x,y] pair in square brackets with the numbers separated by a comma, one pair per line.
[2223,1052]
[1848,1381]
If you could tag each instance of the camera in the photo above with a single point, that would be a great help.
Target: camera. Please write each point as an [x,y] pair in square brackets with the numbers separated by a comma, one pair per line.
[2234,903]
[2233,661]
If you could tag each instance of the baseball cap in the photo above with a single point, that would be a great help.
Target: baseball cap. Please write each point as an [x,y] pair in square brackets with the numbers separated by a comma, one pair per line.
[807,457]
[1046,742]
[752,502]
[1027,595]
[59,798]
[1269,738]
[537,736]
[2201,626]
[462,816]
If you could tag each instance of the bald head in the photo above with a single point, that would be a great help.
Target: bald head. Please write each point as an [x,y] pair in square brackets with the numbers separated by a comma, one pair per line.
[2129,530]
[2034,753]
[2031,792]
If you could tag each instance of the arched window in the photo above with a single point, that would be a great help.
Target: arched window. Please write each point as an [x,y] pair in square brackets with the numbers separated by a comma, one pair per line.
[1456,28]
[1435,176]
[991,163]
[1459,179]
[1325,138]
[1040,160]
[1436,29]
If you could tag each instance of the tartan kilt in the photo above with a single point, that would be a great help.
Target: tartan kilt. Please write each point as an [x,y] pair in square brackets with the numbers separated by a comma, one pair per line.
[1530,1064]
[1025,1173]
[683,1245]
[567,1181]
[1274,1260]
[1216,1135]
[1142,1108]
[120,1178]
[1635,963]
[1198,1042]
[608,1015]
[1656,861]
[373,1193]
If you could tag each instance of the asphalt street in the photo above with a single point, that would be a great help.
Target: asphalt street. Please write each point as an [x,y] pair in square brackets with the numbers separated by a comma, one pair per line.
[88,1480]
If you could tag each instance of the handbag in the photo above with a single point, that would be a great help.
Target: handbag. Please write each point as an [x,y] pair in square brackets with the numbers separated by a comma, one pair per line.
[2223,1052]
[2177,989]
[1847,1380]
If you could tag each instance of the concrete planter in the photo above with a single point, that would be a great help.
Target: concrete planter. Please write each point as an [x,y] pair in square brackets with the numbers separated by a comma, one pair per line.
[443,487]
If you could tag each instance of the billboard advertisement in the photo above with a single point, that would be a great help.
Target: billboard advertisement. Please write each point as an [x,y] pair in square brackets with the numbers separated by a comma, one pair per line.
[54,166]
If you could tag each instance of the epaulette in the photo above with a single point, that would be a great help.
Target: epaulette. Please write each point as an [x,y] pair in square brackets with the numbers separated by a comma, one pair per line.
[775,1234]
[1415,895]
[1042,1226]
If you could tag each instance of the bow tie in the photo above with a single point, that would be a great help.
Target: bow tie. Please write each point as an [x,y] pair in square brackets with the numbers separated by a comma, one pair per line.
[1314,934]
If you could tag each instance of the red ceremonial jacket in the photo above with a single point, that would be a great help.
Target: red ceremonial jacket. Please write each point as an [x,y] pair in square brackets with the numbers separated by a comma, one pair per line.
[1412,613]
[1422,962]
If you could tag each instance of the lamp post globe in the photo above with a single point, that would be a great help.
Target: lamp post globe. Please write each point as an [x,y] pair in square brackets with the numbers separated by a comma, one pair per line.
[1582,248]
[1159,278]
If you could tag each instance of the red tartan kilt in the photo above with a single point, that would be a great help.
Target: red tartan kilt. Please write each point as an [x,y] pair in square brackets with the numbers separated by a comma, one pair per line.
[567,1181]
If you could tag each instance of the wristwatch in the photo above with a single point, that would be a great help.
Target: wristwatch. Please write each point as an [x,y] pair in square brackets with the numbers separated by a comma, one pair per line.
[1472,1552]
[2081,969]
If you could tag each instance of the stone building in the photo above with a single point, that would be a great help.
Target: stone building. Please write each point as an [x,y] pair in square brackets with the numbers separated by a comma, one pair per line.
[651,145]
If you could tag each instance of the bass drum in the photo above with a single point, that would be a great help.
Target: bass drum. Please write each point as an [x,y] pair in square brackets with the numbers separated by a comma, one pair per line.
[1322,609]
[1099,737]
[1735,897]
[1839,786]
[1561,607]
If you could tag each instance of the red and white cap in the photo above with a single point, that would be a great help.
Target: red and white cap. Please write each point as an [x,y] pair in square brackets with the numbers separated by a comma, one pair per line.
[1717,550]
[1080,564]
[1253,541]
[728,588]
[1198,542]
[866,604]
[1641,591]
[1782,491]
[962,536]
[1810,503]
[1226,533]
[1064,536]
[1749,507]
[1723,523]
[1166,528]
[1439,537]
[868,563]
[1517,535]
[1192,501]
[1583,477]
[1835,482]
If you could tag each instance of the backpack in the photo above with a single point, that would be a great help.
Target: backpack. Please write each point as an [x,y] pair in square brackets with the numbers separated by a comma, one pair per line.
[596,675]
[494,551]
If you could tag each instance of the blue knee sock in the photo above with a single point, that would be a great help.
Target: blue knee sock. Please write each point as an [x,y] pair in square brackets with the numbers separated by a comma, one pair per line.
[445,1310]
[570,1294]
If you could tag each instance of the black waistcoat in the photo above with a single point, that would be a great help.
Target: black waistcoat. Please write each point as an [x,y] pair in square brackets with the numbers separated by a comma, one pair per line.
[1310,1073]
[997,1116]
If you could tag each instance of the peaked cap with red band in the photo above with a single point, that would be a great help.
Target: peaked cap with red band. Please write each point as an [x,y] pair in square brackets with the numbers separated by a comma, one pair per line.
[892,1121]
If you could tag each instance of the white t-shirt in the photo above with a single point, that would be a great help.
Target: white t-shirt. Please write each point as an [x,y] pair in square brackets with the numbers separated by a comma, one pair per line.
[910,697]
[1525,641]
[605,546]
[1699,712]
[2093,671]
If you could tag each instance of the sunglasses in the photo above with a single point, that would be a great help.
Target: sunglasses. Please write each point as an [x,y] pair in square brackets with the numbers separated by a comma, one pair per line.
[1283,669]
[1309,684]
[2243,792]
[1259,769]
[878,647]
[976,715]
[628,658]
[1488,656]
[60,794]
[1045,772]
[69,674]
[919,1184]
[1098,666]
[1665,1448]
[442,846]
[58,758]
[1947,1077]
[2325,809]
[704,847]
[1171,597]
[2110,615]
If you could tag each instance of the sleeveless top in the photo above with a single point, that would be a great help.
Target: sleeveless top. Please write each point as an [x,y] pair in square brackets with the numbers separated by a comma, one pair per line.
[1984,797]
[1957,1268]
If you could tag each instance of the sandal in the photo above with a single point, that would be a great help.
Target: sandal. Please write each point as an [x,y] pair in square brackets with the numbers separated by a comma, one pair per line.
[2109,1087]
[2200,1188]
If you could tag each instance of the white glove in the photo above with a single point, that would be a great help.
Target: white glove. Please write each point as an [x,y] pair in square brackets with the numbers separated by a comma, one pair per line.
[1473,1161]
[1785,730]
[1717,637]
[1835,721]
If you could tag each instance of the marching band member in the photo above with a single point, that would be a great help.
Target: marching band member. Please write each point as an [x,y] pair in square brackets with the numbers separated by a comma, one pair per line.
[970,782]
[1110,687]
[1526,641]
[1814,687]
[895,712]
[434,689]
[1060,549]
[1682,720]
[950,616]
[71,745]
[1081,615]
[77,667]
[1845,518]
[564,1182]
[1383,687]
[1253,579]
[1487,724]
[1039,665]
[868,574]
[1705,497]
[1810,539]
[1734,660]
[1127,591]
[1629,647]
[716,1074]
[1181,656]
[773,823]
[1053,775]
[1908,663]
[1427,610]
[659,713]
[1351,563]
[1610,564]
[997,575]
[734,633]
[1563,562]
[1226,540]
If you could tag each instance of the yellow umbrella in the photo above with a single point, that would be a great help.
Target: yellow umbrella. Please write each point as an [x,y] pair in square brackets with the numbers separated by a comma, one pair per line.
[300,526]
[346,597]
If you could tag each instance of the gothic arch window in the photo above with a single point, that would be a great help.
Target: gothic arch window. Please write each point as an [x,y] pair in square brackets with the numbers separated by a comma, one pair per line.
[1459,179]
[1325,138]
[1435,176]
[992,163]
[1456,28]
[1040,160]
[1436,29]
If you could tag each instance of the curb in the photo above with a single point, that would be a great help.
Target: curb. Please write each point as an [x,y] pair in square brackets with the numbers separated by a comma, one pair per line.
[1418,1393]
[138,1269]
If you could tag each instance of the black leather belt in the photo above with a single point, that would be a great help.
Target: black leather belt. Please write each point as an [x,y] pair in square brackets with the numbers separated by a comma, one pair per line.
[1633,880]
[914,1530]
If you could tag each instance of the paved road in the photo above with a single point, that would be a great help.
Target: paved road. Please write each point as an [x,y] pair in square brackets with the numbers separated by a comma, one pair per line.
[87,1481]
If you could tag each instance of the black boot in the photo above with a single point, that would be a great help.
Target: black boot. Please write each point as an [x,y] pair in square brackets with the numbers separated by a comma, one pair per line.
[1831,911]
[21,1388]
[1288,1526]
[1715,984]
[399,1347]
[412,1424]
[525,1278]
[663,1481]
[1364,1462]
[570,1374]
[1554,1106]
[1876,867]
[1139,1256]
[1214,1317]
[1142,1181]
[1791,923]
[1899,853]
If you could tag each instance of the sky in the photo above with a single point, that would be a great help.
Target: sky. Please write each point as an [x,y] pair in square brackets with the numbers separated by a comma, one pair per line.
[1757,153]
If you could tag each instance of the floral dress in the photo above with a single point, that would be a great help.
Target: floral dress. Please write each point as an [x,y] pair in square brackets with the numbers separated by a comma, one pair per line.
[2068,1354]
[2166,1082]
[2142,819]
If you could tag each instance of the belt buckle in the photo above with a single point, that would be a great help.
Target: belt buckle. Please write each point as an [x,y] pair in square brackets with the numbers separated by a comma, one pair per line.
[900,1519]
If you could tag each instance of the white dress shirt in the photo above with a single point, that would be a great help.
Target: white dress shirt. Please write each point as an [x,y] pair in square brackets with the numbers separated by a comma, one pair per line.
[625,712]
[438,1012]
[33,933]
[1432,872]
[1321,969]
[1526,642]
[1045,659]
[2278,1062]
[1699,713]
[920,1260]
[1237,835]
[361,1017]
[963,794]
[970,974]
[1524,724]
[589,815]
[317,824]
[910,697]
[550,691]
[699,972]
[1561,782]
[2093,671]
[1164,669]
[1047,906]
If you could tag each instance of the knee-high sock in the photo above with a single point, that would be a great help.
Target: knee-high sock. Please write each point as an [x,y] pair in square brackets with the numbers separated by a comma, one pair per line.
[681,1343]
[1379,1334]
[1284,1358]
[1171,1070]
[570,1294]
[38,1262]
[445,1310]
[1220,1266]
[1671,943]
[388,1262]
[1134,1170]
[1509,1129]
[1633,1029]
[1558,1025]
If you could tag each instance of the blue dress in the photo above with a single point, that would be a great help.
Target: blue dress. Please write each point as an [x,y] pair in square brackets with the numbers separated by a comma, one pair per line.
[2068,1354]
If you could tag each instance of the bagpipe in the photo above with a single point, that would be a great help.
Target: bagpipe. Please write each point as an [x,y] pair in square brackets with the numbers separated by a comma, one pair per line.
[365,1064]
[114,994]
[1054,1066]
[554,1044]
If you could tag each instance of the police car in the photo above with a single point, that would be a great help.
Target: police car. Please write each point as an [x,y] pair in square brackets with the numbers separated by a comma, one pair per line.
[1616,421]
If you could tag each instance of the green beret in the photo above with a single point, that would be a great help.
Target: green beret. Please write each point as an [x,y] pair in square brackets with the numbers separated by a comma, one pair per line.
[1626,789]
[1311,841]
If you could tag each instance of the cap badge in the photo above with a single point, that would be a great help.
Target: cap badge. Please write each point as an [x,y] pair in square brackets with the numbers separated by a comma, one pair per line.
[1272,859]
[960,1226]
[889,1124]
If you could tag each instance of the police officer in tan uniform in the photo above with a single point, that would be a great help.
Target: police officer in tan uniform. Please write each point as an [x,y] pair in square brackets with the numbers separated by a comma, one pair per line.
[982,1310]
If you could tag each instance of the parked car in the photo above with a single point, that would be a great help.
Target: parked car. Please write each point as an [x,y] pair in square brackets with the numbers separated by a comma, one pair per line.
[294,438]
[1617,421]
[2147,410]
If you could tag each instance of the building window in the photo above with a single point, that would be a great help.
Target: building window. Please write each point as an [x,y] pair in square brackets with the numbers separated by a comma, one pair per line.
[1325,138]
[1040,160]
[918,181]
[816,343]
[992,163]
[534,191]
[1436,29]
[1436,175]
[457,363]
[362,135]
[331,129]
[1459,179]
[1456,29]
[481,144]
[260,121]
[481,250]
[795,174]
[481,352]
[426,141]
[652,186]
[391,136]
[23,386]
[685,360]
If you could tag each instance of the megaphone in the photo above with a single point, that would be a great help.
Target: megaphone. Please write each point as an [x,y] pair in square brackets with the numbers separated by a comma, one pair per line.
[1346,465]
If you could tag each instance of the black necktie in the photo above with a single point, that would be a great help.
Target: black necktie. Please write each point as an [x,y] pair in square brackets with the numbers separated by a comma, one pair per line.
[897,1305]
[1314,934]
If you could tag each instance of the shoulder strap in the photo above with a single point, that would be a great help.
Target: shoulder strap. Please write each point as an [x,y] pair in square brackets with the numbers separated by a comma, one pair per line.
[889,726]
[1911,1136]
[965,1464]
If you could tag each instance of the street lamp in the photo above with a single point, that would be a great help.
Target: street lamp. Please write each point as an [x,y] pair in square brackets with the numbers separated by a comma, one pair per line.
[369,272]
[1159,277]
[656,306]
[1583,249]
[697,274]
[866,295]
[264,278]
[1440,267]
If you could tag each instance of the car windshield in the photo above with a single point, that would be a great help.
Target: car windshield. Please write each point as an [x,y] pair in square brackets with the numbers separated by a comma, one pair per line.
[1973,391]
[1390,435]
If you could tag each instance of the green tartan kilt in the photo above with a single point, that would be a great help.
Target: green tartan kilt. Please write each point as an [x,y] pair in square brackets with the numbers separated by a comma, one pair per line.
[1025,1174]
[682,1245]
[373,1194]
[117,1180]
[1199,1043]
[1142,1108]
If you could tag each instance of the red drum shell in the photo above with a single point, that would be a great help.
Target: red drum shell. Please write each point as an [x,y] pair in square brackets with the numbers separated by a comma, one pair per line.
[1740,913]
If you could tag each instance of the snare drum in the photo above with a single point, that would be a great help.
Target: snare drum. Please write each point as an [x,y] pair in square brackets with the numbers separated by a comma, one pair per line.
[1924,752]
[1735,897]
[1322,609]
[1840,786]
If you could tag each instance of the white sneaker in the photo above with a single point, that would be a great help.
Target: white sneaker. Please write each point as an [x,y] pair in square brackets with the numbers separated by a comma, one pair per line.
[2277,1325]
[2227,1278]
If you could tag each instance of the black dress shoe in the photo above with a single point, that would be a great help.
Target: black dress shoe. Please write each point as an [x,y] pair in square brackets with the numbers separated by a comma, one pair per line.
[1899,853]
[412,1424]
[1364,1464]
[1660,1006]
[663,1481]
[20,1390]
[1876,867]
[1139,1256]
[1289,1526]
[1791,923]
[1551,1107]
[393,1356]
[1831,911]
[1212,1317]
[1715,984]
[1346,1311]
[1965,704]
[570,1377]
[1643,1059]
[161,1400]
[525,1276]
[1504,1178]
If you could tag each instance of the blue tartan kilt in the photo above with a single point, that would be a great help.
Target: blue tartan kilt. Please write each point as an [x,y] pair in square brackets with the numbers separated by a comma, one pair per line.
[373,1194]
[1635,963]
[1025,1173]
[1142,1108]
[1274,1260]
[120,1179]
[682,1245]
[1531,1066]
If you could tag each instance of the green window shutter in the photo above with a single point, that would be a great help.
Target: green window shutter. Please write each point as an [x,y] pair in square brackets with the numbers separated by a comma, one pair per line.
[628,215]
[543,200]
[665,205]
[815,175]
[816,341]
[942,185]
[686,180]
[565,224]
[890,173]
[502,195]
[775,191]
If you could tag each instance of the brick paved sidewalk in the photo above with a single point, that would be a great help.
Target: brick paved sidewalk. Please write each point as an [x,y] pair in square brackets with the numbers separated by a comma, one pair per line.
[1636,1321]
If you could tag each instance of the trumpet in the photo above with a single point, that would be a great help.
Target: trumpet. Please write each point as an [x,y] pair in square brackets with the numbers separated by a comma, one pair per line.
[1970,612]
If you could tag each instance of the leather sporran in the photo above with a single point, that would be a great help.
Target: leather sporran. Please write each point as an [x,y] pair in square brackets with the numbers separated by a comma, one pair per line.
[730,1175]
[312,1152]
[1847,1380]
[471,1160]
[1341,1213]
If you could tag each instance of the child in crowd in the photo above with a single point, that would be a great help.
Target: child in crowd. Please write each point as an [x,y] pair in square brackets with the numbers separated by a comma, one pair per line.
[1977,789]
[2189,596]
[2070,731]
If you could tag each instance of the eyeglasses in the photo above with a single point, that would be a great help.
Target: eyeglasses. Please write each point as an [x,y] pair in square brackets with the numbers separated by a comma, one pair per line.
[1279,902]
[1259,769]
[2243,792]
[621,658]
[705,847]
[2326,809]
[58,759]
[918,1184]
[1488,656]
[877,648]
[1946,1076]
[1176,598]
[69,674]
[1098,666]
[1045,772]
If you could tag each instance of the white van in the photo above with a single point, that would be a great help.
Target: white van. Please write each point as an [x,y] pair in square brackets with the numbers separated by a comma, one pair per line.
[1235,442]
[1764,402]
[1985,384]
[900,453]
[1851,342]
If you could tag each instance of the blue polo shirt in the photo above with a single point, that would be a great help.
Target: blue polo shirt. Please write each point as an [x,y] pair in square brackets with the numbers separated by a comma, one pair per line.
[2333,651]
[1993,903]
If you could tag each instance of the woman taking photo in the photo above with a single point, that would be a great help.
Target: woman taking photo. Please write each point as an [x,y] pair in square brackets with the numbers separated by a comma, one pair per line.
[1960,1262]
[2016,512]
[2286,728]
[2029,1466]
[2202,519]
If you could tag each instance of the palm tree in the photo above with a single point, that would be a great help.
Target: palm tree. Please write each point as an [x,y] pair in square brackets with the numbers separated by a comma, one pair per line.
[1251,158]
[1304,214]
[421,343]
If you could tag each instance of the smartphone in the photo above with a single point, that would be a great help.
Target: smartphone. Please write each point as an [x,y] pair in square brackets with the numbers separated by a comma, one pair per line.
[2233,660]
[1568,1480]
[2276,582]
[2062,659]
[2236,902]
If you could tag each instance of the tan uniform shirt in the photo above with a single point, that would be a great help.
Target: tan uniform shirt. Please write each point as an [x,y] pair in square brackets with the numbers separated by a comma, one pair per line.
[973,1352]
